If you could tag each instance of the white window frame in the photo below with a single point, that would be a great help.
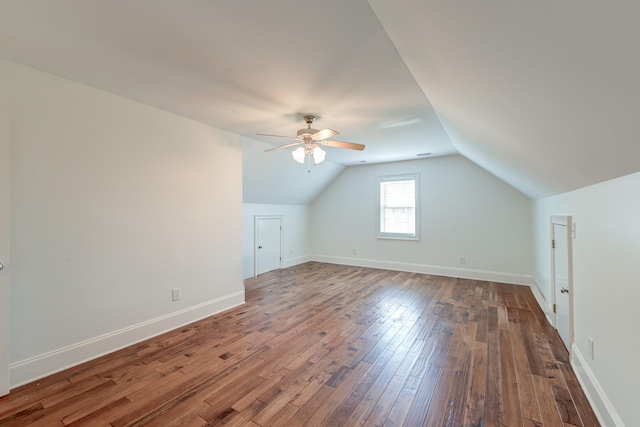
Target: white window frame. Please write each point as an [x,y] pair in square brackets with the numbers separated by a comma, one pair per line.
[398,236]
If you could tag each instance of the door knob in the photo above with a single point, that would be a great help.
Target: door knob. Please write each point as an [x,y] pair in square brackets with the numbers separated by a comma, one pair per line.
[1,266]
[564,290]
[259,247]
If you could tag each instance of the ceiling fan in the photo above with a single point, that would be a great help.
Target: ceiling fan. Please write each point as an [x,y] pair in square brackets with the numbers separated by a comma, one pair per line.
[311,139]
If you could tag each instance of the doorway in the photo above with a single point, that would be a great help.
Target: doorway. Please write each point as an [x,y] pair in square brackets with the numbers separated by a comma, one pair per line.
[562,274]
[268,243]
[4,252]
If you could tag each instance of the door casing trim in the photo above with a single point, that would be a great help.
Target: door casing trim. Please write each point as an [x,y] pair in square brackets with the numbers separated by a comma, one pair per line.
[567,221]
[257,218]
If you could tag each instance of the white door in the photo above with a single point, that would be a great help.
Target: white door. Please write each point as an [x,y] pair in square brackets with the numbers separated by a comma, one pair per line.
[268,243]
[562,280]
[4,253]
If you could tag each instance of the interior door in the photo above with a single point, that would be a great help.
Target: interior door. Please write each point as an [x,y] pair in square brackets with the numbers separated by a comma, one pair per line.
[562,280]
[4,253]
[268,243]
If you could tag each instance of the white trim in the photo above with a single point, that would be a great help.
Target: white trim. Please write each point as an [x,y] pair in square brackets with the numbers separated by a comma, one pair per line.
[599,400]
[463,273]
[257,218]
[5,252]
[290,262]
[40,366]
[542,302]
[415,177]
[563,220]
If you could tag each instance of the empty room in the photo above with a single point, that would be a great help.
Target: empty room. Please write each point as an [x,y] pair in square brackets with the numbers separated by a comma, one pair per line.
[300,213]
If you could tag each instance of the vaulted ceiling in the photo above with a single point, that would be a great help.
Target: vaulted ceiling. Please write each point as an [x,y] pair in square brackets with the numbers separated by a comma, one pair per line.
[542,94]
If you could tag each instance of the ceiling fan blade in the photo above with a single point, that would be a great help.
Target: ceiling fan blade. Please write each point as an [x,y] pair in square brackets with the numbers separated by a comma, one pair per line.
[342,144]
[278,136]
[324,134]
[284,146]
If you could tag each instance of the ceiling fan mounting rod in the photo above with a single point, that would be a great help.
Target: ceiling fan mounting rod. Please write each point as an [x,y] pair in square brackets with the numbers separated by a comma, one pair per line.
[305,134]
[309,119]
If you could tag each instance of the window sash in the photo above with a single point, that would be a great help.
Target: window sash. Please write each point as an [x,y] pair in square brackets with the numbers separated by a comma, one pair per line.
[398,207]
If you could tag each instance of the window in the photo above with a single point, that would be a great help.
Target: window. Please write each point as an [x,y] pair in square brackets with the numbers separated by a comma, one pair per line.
[398,207]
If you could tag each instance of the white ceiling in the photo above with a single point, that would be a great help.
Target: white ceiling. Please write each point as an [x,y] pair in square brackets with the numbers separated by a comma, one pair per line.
[542,94]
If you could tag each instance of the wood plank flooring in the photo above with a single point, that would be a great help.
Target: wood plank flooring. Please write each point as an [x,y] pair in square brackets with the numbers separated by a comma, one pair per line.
[329,345]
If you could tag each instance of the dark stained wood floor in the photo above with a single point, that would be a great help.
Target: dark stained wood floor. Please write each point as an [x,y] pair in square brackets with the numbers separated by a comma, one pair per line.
[328,345]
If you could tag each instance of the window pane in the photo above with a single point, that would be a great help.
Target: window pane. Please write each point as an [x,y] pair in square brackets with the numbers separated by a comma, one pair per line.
[397,206]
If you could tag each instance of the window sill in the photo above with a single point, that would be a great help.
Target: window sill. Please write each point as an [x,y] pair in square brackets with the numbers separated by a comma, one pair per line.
[400,237]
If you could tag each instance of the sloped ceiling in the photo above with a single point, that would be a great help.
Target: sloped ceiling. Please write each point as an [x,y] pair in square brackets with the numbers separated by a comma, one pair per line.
[542,94]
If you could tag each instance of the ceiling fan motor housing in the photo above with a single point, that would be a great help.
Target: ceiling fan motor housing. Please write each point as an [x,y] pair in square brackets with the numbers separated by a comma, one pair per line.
[302,132]
[305,134]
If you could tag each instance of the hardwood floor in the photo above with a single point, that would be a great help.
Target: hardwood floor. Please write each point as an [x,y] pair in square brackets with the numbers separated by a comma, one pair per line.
[328,345]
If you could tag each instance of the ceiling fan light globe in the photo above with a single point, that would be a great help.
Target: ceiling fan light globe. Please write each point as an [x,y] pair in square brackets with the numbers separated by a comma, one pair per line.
[319,155]
[298,154]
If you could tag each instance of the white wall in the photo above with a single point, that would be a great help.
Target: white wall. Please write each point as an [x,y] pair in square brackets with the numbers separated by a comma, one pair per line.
[465,212]
[606,263]
[113,204]
[296,222]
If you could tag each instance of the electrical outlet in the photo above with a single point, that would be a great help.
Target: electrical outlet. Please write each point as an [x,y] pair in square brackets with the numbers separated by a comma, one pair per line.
[354,251]
[463,260]
[176,294]
[290,251]
[592,349]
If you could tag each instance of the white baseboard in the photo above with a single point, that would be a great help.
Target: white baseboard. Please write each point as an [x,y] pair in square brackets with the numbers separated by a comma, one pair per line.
[542,302]
[34,368]
[290,262]
[600,403]
[463,273]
